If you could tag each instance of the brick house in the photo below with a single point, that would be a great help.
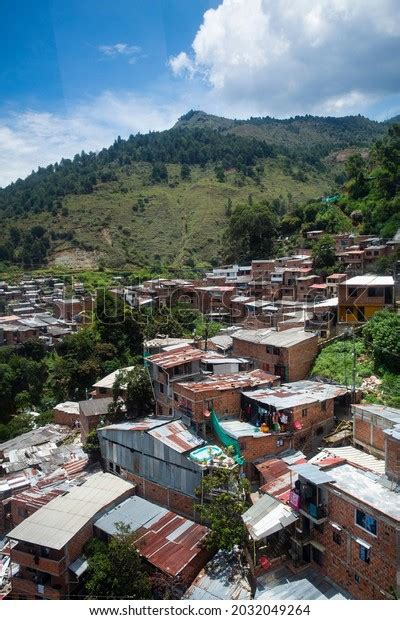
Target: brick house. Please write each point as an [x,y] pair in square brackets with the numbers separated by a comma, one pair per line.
[362,296]
[288,354]
[91,413]
[104,387]
[369,424]
[349,522]
[296,415]
[66,414]
[172,365]
[51,540]
[193,400]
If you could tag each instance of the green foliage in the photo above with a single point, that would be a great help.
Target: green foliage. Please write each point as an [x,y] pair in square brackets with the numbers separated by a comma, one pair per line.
[335,362]
[382,337]
[324,253]
[251,233]
[225,501]
[92,446]
[115,570]
[132,394]
[117,324]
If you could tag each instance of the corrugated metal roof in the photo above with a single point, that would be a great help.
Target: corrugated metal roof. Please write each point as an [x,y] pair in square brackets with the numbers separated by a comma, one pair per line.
[145,424]
[56,523]
[135,512]
[180,355]
[95,406]
[287,338]
[369,488]
[230,381]
[370,280]
[176,436]
[109,380]
[351,455]
[388,413]
[222,579]
[171,554]
[267,516]
[313,474]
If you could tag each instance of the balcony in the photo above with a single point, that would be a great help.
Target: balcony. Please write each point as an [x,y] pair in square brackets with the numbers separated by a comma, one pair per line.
[45,565]
[317,514]
[31,589]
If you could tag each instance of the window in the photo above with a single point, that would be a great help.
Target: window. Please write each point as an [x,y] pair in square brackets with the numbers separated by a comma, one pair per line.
[111,466]
[117,469]
[356,578]
[364,553]
[272,350]
[304,413]
[336,537]
[375,292]
[352,292]
[366,522]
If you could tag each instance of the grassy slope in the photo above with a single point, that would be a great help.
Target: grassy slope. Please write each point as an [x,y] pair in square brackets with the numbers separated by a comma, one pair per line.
[180,221]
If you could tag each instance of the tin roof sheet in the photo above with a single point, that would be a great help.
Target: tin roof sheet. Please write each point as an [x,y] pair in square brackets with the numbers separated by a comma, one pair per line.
[176,436]
[181,355]
[351,455]
[222,579]
[232,381]
[109,380]
[61,519]
[267,516]
[313,474]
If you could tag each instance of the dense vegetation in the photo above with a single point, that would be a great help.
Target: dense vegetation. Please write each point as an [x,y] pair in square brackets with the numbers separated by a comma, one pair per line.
[166,197]
[377,352]
[33,379]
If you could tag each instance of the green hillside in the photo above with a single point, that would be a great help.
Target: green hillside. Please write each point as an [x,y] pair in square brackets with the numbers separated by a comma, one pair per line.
[164,199]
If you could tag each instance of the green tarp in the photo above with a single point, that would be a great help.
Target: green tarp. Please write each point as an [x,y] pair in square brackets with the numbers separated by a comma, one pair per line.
[225,439]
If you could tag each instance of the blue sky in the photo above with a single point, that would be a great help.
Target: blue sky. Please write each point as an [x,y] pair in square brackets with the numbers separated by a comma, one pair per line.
[75,74]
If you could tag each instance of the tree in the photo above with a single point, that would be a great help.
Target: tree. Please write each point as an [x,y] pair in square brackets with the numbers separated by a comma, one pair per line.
[251,233]
[382,337]
[185,172]
[324,253]
[118,324]
[115,571]
[224,493]
[92,446]
[132,394]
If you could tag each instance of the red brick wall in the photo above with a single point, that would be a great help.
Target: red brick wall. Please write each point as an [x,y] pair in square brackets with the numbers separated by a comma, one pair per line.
[298,359]
[342,562]
[392,458]
[368,434]
[66,419]
[173,500]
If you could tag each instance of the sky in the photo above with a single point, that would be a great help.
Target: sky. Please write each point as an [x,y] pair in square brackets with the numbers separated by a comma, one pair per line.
[75,74]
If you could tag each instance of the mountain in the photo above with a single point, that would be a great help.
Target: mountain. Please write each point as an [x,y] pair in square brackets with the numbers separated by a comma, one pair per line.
[165,197]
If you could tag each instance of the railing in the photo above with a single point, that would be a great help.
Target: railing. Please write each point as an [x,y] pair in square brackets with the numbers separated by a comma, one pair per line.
[46,565]
[314,511]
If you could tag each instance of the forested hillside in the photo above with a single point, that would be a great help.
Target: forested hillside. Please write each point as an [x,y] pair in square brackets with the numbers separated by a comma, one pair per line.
[166,198]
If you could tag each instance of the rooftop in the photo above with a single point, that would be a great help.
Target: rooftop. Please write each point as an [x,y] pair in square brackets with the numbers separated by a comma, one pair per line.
[108,381]
[167,540]
[68,407]
[267,516]
[55,524]
[287,338]
[371,489]
[381,411]
[370,280]
[223,578]
[230,381]
[95,406]
[181,355]
[329,456]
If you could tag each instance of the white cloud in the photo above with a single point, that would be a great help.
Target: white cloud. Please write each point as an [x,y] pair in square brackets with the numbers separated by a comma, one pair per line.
[33,138]
[282,57]
[131,52]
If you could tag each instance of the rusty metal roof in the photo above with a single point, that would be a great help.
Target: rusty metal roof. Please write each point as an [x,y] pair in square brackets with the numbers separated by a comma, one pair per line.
[171,542]
[230,381]
[169,359]
[176,436]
